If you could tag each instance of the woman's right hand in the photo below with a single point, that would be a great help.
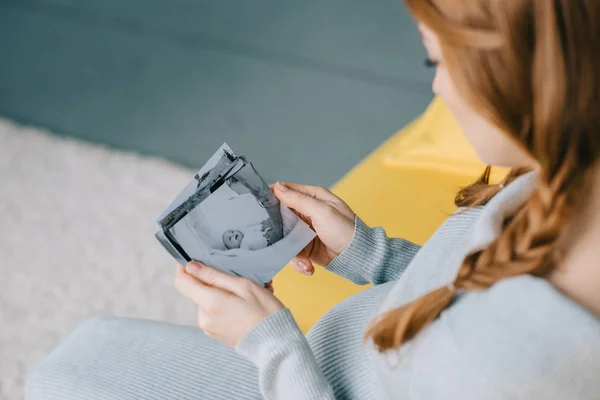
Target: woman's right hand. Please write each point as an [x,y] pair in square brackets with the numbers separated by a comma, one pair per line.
[328,215]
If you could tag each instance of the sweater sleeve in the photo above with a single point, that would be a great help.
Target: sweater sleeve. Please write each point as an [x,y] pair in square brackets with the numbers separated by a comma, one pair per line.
[372,257]
[287,368]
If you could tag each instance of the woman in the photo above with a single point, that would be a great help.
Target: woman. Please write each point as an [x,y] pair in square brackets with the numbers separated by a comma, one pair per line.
[502,302]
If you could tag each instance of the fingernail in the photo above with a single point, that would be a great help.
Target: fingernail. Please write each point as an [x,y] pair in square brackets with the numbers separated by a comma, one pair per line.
[193,266]
[282,187]
[305,267]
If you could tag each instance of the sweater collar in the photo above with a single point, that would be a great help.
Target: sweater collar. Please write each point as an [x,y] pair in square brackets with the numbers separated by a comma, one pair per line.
[489,224]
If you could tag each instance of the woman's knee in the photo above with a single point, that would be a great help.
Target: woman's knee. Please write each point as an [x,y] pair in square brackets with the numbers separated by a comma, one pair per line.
[61,371]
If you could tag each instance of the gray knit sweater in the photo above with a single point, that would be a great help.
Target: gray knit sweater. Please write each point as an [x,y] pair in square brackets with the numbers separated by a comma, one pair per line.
[520,339]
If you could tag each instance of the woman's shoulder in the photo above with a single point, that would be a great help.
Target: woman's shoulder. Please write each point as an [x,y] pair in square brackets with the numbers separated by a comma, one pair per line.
[521,338]
[524,309]
[532,300]
[522,331]
[464,215]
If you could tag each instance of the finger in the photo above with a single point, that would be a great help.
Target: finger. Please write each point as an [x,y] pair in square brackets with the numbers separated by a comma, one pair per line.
[301,202]
[204,323]
[308,250]
[203,320]
[214,277]
[299,214]
[269,287]
[303,264]
[318,192]
[196,290]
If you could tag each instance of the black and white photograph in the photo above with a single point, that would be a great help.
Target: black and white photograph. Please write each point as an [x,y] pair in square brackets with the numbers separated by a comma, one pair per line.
[232,220]
[219,161]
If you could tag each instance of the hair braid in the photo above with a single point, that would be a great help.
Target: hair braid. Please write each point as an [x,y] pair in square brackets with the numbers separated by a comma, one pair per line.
[526,246]
[529,241]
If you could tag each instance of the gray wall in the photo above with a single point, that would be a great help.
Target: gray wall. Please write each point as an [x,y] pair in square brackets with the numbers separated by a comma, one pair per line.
[305,88]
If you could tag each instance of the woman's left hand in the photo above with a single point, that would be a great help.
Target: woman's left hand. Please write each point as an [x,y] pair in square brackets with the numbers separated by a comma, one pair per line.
[228,306]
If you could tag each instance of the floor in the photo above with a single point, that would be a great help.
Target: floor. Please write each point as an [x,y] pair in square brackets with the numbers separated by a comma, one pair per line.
[78,241]
[304,88]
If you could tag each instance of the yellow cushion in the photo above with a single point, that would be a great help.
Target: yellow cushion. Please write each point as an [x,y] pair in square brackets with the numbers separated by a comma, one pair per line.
[407,186]
[435,141]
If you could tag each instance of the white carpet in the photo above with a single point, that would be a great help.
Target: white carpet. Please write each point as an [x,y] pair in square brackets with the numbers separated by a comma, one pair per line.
[76,240]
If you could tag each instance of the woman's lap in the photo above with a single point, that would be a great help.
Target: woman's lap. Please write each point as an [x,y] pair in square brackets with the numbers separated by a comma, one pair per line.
[121,358]
[336,341]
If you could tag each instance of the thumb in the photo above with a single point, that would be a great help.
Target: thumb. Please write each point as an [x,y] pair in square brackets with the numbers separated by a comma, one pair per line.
[302,202]
[215,278]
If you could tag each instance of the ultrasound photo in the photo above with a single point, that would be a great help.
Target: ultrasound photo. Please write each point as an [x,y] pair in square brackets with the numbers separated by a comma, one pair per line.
[229,218]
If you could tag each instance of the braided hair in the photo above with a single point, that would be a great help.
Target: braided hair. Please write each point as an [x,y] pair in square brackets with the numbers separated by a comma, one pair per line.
[531,68]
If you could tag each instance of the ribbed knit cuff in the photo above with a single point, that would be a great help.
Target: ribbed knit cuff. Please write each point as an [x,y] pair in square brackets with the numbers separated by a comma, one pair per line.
[274,331]
[372,257]
[358,256]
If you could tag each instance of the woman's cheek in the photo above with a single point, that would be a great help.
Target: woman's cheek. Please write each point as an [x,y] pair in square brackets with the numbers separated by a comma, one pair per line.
[435,85]
[443,87]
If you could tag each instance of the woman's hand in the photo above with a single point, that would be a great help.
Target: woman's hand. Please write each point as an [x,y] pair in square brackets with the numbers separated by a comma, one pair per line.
[328,215]
[228,306]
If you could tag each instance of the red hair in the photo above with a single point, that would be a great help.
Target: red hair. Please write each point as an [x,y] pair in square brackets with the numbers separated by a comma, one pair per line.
[532,68]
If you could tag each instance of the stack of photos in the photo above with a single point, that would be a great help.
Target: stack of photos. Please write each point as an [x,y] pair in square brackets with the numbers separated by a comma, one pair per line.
[228,217]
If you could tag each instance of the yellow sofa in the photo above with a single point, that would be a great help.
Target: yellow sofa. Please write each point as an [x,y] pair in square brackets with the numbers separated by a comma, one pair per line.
[407,186]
